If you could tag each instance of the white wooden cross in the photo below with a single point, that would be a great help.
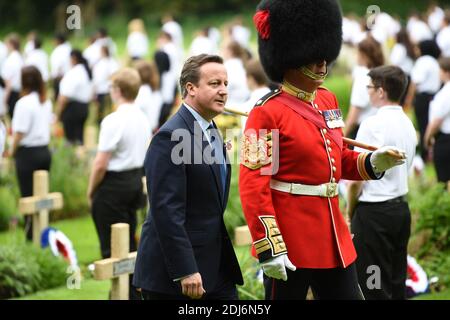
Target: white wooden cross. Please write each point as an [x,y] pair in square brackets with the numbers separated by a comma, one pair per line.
[40,203]
[120,265]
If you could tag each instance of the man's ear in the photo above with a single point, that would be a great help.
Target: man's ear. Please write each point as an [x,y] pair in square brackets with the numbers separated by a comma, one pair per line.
[191,89]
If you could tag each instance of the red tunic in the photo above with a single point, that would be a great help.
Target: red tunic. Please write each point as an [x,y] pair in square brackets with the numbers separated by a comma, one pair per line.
[313,229]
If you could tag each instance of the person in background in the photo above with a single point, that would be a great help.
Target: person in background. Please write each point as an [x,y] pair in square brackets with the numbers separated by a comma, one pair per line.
[425,83]
[137,41]
[149,98]
[75,95]
[235,59]
[38,57]
[31,125]
[258,83]
[437,135]
[443,37]
[59,61]
[370,55]
[115,189]
[378,210]
[101,75]
[10,73]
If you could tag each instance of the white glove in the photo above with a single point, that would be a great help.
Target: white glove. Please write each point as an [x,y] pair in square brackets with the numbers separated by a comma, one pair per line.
[383,159]
[276,267]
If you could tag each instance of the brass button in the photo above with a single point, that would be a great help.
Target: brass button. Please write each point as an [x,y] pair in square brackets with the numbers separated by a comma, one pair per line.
[333,180]
[334,168]
[324,131]
[328,141]
[329,149]
[332,160]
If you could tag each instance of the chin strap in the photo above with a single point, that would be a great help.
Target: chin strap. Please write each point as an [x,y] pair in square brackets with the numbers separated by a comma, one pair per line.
[312,75]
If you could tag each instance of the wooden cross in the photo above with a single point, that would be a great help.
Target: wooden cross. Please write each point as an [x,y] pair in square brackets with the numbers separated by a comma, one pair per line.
[89,148]
[120,265]
[40,203]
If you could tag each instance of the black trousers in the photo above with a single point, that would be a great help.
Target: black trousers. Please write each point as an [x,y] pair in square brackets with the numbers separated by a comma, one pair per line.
[441,157]
[14,96]
[326,284]
[421,107]
[116,201]
[28,160]
[73,118]
[382,231]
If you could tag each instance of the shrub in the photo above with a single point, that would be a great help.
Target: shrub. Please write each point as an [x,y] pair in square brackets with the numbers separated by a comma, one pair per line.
[69,175]
[9,193]
[432,206]
[25,269]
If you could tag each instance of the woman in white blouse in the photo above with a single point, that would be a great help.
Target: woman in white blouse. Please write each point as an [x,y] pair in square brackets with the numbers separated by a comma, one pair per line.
[31,130]
[438,129]
[137,41]
[75,94]
[149,98]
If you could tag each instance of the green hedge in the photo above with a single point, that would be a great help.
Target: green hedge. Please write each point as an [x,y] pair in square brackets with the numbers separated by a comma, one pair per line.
[25,269]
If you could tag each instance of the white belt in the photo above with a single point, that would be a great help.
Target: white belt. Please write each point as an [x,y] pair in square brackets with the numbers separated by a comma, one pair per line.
[327,190]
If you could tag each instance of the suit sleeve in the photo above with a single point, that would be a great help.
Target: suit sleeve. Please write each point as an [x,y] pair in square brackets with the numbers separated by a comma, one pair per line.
[166,182]
[254,185]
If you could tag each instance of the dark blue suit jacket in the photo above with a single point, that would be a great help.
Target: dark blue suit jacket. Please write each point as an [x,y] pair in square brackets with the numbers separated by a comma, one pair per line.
[184,232]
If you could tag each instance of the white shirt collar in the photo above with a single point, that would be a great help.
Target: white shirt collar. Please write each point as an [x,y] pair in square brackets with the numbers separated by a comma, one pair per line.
[125,106]
[204,124]
[389,107]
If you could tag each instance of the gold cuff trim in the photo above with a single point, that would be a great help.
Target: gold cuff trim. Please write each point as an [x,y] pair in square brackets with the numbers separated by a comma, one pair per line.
[256,153]
[273,240]
[361,166]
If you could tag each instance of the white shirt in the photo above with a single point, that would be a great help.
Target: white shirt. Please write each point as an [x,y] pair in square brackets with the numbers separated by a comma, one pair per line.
[425,74]
[126,134]
[2,138]
[101,74]
[440,108]
[399,57]
[3,54]
[418,30]
[76,85]
[60,60]
[390,126]
[39,59]
[175,31]
[33,119]
[150,102]
[238,91]
[11,70]
[241,35]
[443,41]
[137,44]
[201,44]
[435,19]
[359,96]
[203,123]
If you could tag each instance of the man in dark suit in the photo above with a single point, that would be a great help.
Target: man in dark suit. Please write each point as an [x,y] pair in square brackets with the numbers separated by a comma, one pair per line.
[185,251]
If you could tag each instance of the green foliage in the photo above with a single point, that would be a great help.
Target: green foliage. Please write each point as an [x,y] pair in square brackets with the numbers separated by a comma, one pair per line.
[69,175]
[9,193]
[25,269]
[252,289]
[234,216]
[433,208]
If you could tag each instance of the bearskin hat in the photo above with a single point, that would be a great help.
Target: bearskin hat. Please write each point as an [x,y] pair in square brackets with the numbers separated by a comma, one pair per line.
[295,33]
